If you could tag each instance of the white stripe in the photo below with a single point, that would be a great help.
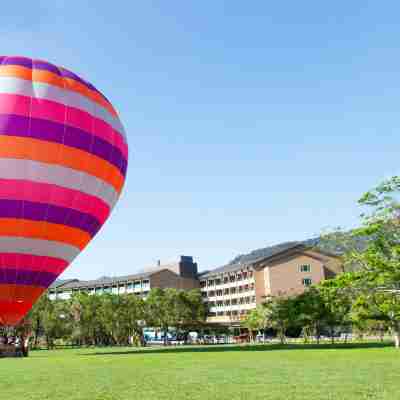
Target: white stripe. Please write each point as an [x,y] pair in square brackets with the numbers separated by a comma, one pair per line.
[37,171]
[38,247]
[40,90]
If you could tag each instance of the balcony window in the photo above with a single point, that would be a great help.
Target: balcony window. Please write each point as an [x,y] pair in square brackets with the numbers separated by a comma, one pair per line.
[305,268]
[226,279]
[218,281]
[307,282]
[219,292]
[211,293]
[234,302]
[146,284]
[210,283]
[233,290]
[232,278]
[226,291]
[247,300]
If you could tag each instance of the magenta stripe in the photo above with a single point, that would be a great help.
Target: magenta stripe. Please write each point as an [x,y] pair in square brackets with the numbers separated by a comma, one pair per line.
[16,125]
[57,112]
[20,209]
[18,189]
[18,276]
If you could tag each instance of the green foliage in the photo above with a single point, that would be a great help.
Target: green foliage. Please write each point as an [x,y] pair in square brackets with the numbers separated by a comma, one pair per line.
[110,319]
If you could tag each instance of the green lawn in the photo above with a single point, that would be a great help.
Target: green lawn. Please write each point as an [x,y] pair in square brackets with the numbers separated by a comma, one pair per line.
[230,372]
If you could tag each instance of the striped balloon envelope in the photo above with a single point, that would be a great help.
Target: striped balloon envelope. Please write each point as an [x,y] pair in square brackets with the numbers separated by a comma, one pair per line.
[63,161]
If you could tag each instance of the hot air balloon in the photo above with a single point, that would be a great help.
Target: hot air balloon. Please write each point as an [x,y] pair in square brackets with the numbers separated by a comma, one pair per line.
[63,161]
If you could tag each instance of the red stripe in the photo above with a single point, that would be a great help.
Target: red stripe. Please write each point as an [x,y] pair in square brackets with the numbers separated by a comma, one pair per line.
[56,112]
[28,262]
[15,189]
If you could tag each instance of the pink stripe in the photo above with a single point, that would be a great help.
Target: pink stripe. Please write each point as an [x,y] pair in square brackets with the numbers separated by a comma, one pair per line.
[32,263]
[53,111]
[53,194]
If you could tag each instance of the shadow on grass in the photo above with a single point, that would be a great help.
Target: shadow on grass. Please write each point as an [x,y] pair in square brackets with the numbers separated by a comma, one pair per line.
[240,348]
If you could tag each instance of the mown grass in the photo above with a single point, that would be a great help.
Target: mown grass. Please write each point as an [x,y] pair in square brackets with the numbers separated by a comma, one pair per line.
[217,372]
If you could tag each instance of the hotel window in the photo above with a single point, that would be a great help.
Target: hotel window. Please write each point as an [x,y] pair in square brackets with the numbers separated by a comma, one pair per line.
[218,281]
[146,284]
[220,303]
[219,292]
[305,268]
[240,289]
[233,290]
[210,283]
[234,302]
[247,300]
[234,312]
[203,294]
[226,279]
[252,286]
[239,277]
[307,281]
[203,284]
[241,300]
[244,275]
[226,291]
[250,274]
[232,278]
[211,293]
[246,288]
[211,304]
[227,302]
[253,299]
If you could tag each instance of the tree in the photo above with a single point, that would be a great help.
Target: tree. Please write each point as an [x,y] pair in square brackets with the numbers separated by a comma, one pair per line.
[375,276]
[256,320]
[280,312]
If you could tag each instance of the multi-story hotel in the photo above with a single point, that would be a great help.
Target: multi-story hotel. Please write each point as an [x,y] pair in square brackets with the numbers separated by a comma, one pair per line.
[230,291]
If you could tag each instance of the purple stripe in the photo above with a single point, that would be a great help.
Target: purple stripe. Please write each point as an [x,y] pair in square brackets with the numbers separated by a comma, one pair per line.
[49,213]
[17,125]
[9,276]
[46,66]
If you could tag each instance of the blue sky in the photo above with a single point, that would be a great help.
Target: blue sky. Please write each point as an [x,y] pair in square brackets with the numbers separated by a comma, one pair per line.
[249,123]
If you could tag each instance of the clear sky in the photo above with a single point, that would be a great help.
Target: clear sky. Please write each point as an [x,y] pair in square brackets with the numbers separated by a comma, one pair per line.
[249,123]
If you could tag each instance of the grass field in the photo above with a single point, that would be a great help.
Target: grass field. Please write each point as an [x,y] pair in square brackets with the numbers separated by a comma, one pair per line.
[220,372]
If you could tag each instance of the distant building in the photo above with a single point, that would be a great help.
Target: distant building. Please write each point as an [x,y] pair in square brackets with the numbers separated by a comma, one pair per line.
[179,275]
[230,291]
[235,289]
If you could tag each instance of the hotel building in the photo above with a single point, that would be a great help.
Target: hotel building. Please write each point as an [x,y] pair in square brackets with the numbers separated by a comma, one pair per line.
[230,291]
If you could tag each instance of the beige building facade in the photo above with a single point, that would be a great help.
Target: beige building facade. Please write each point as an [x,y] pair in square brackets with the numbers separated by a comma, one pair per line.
[233,290]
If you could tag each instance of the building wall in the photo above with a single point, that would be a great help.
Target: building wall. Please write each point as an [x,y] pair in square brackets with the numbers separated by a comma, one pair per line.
[168,279]
[284,276]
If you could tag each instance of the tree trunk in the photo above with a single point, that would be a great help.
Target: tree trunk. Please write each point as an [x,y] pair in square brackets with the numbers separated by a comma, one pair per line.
[397,335]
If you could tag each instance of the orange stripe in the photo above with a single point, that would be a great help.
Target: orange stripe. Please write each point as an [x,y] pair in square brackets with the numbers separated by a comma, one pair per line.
[20,292]
[56,80]
[47,152]
[44,230]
